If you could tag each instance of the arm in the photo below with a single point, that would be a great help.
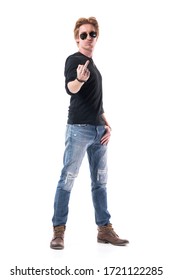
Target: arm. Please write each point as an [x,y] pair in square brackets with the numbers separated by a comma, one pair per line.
[74,86]
[106,137]
[83,75]
[106,121]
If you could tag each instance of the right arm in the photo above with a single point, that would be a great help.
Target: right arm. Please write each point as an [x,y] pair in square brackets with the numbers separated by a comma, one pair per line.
[74,86]
[83,75]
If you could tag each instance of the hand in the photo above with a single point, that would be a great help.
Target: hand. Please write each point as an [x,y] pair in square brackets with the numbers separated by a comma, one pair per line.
[106,137]
[83,73]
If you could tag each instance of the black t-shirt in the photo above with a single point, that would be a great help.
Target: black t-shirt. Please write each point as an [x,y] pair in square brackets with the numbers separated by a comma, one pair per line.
[86,106]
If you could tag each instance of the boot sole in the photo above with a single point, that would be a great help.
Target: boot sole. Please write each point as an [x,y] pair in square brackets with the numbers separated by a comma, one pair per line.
[106,242]
[56,248]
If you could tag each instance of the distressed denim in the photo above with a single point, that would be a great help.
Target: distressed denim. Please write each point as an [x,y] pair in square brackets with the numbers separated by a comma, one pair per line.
[79,139]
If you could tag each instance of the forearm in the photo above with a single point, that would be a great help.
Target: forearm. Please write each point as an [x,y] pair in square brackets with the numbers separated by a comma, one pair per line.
[105,120]
[74,86]
[106,137]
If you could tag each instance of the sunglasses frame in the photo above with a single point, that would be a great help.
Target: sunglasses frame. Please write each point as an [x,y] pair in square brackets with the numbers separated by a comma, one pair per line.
[84,35]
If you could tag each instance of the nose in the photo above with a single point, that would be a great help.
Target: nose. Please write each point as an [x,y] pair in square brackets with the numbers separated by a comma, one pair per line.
[89,37]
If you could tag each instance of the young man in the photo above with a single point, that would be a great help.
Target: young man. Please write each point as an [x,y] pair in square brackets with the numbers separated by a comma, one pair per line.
[88,131]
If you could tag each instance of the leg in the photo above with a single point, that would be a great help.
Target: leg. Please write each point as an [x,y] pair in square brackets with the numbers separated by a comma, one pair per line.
[73,156]
[97,156]
[78,137]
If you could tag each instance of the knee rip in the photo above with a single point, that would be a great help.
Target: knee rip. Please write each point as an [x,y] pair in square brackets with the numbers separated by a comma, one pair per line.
[69,181]
[102,176]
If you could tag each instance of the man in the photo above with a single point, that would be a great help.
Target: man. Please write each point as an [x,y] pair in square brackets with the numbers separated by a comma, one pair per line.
[88,131]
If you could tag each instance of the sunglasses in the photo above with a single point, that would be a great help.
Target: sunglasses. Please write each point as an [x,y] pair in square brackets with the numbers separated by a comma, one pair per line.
[84,35]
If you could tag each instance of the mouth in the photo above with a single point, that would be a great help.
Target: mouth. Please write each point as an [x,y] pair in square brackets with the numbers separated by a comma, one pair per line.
[89,43]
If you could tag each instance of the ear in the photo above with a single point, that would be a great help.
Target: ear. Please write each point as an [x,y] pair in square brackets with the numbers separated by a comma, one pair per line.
[77,41]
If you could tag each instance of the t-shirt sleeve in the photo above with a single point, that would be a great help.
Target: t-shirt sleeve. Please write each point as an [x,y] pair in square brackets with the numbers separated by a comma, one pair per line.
[70,72]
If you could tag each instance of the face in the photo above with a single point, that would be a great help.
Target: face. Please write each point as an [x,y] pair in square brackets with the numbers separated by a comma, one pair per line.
[87,37]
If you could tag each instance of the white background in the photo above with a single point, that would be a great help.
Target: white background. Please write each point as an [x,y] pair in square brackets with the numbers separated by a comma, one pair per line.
[134,54]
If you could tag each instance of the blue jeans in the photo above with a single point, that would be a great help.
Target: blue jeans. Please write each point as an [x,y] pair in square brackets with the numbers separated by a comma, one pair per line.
[82,138]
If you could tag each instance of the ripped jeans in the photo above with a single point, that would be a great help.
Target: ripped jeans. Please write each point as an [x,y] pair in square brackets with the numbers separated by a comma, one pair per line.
[82,138]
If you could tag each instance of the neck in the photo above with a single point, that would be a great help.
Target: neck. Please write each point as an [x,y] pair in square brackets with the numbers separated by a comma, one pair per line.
[86,53]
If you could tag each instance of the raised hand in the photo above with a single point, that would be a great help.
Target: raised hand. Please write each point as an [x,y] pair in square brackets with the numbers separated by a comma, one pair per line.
[83,73]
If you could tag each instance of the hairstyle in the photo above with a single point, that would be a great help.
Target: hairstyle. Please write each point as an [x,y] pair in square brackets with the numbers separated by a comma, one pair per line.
[81,21]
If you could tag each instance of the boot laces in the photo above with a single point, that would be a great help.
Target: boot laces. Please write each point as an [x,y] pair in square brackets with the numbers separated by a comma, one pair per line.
[110,229]
[59,232]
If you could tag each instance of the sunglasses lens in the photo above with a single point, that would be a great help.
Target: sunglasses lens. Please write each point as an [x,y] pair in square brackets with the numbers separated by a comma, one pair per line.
[93,34]
[83,36]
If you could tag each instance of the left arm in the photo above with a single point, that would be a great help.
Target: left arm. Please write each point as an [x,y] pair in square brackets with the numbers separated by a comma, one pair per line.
[106,137]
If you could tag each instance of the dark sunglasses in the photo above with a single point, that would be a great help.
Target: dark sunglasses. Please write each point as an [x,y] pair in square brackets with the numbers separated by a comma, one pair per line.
[84,35]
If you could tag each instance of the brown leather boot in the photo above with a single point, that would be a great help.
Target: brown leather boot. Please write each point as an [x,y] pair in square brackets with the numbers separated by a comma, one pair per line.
[106,234]
[57,241]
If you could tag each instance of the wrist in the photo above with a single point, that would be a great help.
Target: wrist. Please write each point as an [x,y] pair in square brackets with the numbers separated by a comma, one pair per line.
[109,127]
[80,81]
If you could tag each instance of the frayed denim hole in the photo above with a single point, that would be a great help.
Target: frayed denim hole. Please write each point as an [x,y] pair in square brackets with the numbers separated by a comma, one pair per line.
[102,176]
[69,181]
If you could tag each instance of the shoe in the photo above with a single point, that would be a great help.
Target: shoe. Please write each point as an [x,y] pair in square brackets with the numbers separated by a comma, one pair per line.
[57,241]
[106,234]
